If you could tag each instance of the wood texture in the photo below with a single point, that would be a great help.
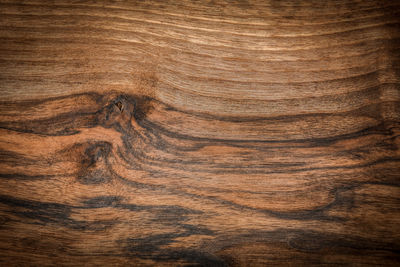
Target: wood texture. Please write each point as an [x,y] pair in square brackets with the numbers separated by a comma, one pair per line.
[212,133]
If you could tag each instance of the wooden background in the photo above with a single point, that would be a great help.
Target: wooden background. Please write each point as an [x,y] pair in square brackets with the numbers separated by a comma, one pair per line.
[211,133]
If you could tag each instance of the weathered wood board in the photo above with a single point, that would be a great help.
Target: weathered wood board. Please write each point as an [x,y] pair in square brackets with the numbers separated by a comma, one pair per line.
[212,133]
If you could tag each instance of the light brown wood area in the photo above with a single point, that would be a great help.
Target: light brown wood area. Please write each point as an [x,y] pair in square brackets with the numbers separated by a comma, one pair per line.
[199,133]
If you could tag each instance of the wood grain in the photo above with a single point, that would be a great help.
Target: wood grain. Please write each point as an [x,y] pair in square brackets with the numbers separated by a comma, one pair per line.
[211,133]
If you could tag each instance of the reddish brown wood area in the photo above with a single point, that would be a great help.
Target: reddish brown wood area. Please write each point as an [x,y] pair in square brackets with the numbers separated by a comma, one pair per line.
[199,133]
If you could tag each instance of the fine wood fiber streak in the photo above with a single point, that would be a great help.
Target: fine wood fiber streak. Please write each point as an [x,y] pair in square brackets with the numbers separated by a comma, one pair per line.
[199,133]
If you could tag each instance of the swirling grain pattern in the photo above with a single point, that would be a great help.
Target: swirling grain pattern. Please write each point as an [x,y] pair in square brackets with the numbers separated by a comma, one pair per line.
[205,133]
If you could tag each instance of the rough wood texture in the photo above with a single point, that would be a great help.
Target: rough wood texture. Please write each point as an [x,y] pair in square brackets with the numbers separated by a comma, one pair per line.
[239,133]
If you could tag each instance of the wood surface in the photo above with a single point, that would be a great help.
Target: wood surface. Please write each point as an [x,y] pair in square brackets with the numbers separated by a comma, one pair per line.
[199,133]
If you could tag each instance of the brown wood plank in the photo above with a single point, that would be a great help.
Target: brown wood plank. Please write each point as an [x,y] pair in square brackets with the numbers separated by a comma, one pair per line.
[211,133]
